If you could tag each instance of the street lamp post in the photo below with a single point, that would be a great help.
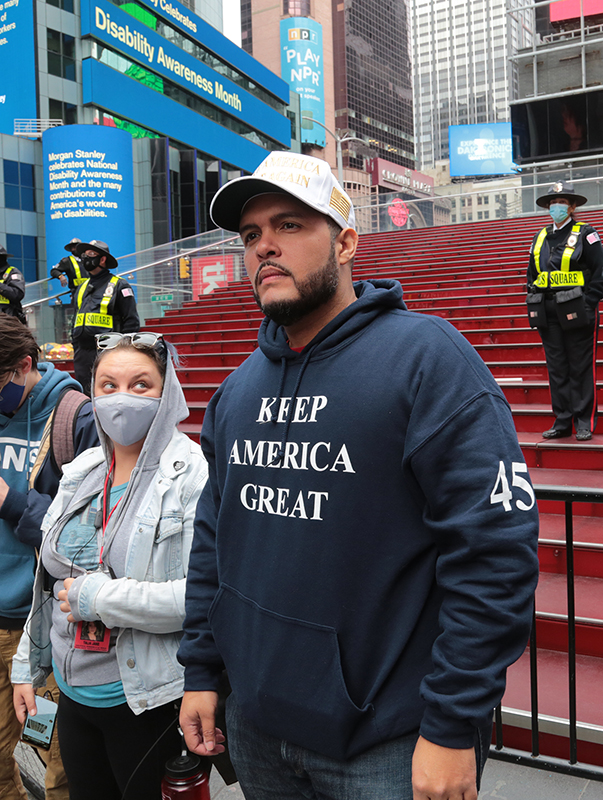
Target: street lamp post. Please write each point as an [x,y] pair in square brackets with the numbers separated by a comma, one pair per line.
[339,140]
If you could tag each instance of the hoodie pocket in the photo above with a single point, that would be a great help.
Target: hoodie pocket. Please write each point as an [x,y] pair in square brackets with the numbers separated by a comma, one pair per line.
[286,675]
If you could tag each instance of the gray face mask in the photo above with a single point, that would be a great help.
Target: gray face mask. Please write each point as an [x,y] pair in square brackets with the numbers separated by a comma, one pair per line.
[126,418]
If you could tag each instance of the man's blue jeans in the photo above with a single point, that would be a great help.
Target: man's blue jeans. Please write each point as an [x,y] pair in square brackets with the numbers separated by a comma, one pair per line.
[271,769]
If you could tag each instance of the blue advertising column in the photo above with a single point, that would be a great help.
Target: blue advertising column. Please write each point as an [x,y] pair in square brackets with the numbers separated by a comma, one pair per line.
[17,63]
[88,188]
[302,69]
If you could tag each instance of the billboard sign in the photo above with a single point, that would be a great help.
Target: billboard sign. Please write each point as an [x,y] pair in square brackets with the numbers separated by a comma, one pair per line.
[17,47]
[302,68]
[398,212]
[202,32]
[481,149]
[211,272]
[395,177]
[558,127]
[570,9]
[88,188]
[126,34]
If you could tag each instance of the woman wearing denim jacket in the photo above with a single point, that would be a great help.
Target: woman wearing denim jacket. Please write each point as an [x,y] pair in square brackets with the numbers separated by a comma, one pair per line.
[115,552]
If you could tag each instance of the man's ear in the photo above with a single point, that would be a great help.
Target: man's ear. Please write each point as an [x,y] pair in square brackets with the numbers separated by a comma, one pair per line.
[348,242]
[103,261]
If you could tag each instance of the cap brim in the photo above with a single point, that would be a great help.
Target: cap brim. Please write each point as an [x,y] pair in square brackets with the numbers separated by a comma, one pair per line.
[83,246]
[227,206]
[544,201]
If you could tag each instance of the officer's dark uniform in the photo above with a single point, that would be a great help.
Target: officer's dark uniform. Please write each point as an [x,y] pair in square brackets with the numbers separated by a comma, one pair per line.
[566,264]
[102,303]
[71,267]
[12,288]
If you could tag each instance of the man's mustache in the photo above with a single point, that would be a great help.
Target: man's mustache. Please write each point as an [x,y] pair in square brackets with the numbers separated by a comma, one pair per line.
[269,263]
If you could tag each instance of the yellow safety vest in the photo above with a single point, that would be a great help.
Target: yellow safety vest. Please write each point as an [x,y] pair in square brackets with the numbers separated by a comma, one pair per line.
[79,279]
[562,278]
[4,299]
[100,319]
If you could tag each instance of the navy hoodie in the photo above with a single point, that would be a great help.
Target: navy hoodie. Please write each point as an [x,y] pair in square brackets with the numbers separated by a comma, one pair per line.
[364,558]
[23,510]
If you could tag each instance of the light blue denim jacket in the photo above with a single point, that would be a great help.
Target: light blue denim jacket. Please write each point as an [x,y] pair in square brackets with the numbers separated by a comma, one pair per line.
[147,605]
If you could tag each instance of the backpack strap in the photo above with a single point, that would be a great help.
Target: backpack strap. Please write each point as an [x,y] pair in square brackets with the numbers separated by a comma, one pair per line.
[62,428]
[42,451]
[59,434]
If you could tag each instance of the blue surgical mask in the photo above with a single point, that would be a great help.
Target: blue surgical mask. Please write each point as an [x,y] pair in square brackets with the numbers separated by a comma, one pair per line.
[558,212]
[11,395]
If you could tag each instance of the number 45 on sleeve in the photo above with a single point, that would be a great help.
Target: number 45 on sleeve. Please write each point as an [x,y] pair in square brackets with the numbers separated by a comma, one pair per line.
[501,493]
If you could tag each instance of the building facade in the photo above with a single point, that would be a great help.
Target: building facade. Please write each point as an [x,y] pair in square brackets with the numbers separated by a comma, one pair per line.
[366,74]
[557,116]
[199,109]
[461,72]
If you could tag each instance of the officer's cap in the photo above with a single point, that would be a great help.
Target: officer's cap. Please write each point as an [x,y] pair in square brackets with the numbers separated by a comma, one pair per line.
[561,189]
[70,246]
[100,247]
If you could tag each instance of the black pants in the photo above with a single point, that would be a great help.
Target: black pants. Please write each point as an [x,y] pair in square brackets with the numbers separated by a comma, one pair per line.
[102,747]
[83,360]
[571,363]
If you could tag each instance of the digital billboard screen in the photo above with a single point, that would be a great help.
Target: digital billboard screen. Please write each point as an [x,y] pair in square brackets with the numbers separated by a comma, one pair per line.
[17,63]
[88,188]
[570,9]
[481,149]
[558,126]
[302,69]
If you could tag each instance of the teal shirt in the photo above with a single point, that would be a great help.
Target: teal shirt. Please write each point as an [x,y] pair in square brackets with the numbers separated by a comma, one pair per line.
[80,542]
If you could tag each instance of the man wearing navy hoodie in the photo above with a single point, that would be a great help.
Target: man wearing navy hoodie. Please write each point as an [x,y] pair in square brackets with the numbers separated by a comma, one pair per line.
[29,392]
[364,560]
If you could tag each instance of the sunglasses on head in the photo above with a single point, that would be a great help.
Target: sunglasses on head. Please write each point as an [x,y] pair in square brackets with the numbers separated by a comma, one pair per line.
[107,341]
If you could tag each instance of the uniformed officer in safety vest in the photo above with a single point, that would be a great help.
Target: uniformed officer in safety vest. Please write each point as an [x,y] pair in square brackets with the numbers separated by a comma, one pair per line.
[12,288]
[102,303]
[69,270]
[565,284]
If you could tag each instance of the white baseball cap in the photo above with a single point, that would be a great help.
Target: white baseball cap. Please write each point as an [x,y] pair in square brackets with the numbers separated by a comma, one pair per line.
[306,178]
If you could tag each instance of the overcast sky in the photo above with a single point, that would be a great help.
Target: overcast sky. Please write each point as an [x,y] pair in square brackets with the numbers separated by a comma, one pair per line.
[232,20]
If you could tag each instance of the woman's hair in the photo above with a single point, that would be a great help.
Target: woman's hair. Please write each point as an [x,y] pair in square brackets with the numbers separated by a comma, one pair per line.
[158,353]
[16,343]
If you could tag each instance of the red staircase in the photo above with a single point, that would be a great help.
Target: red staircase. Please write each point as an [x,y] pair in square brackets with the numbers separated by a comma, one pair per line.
[474,276]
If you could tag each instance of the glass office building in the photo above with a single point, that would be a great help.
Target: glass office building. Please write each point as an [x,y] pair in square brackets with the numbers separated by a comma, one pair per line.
[460,70]
[372,77]
[365,71]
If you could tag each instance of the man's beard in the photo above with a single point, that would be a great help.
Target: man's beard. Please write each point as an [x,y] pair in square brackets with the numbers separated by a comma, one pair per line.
[316,290]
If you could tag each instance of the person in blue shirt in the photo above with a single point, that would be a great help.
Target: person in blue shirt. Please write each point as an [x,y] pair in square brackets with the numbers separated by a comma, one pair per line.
[364,557]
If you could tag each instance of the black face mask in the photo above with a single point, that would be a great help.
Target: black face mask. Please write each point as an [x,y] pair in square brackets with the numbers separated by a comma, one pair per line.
[91,262]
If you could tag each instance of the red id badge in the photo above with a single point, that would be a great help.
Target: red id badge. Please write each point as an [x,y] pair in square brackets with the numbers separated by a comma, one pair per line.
[92,636]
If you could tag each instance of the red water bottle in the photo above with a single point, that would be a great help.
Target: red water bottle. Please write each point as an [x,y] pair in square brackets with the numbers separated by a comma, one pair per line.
[184,779]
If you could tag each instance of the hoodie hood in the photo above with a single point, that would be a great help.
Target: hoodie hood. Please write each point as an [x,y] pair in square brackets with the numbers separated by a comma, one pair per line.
[374,297]
[172,410]
[42,399]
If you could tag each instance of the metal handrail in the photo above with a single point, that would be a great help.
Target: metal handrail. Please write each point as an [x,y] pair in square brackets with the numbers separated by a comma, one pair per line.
[128,272]
[567,495]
